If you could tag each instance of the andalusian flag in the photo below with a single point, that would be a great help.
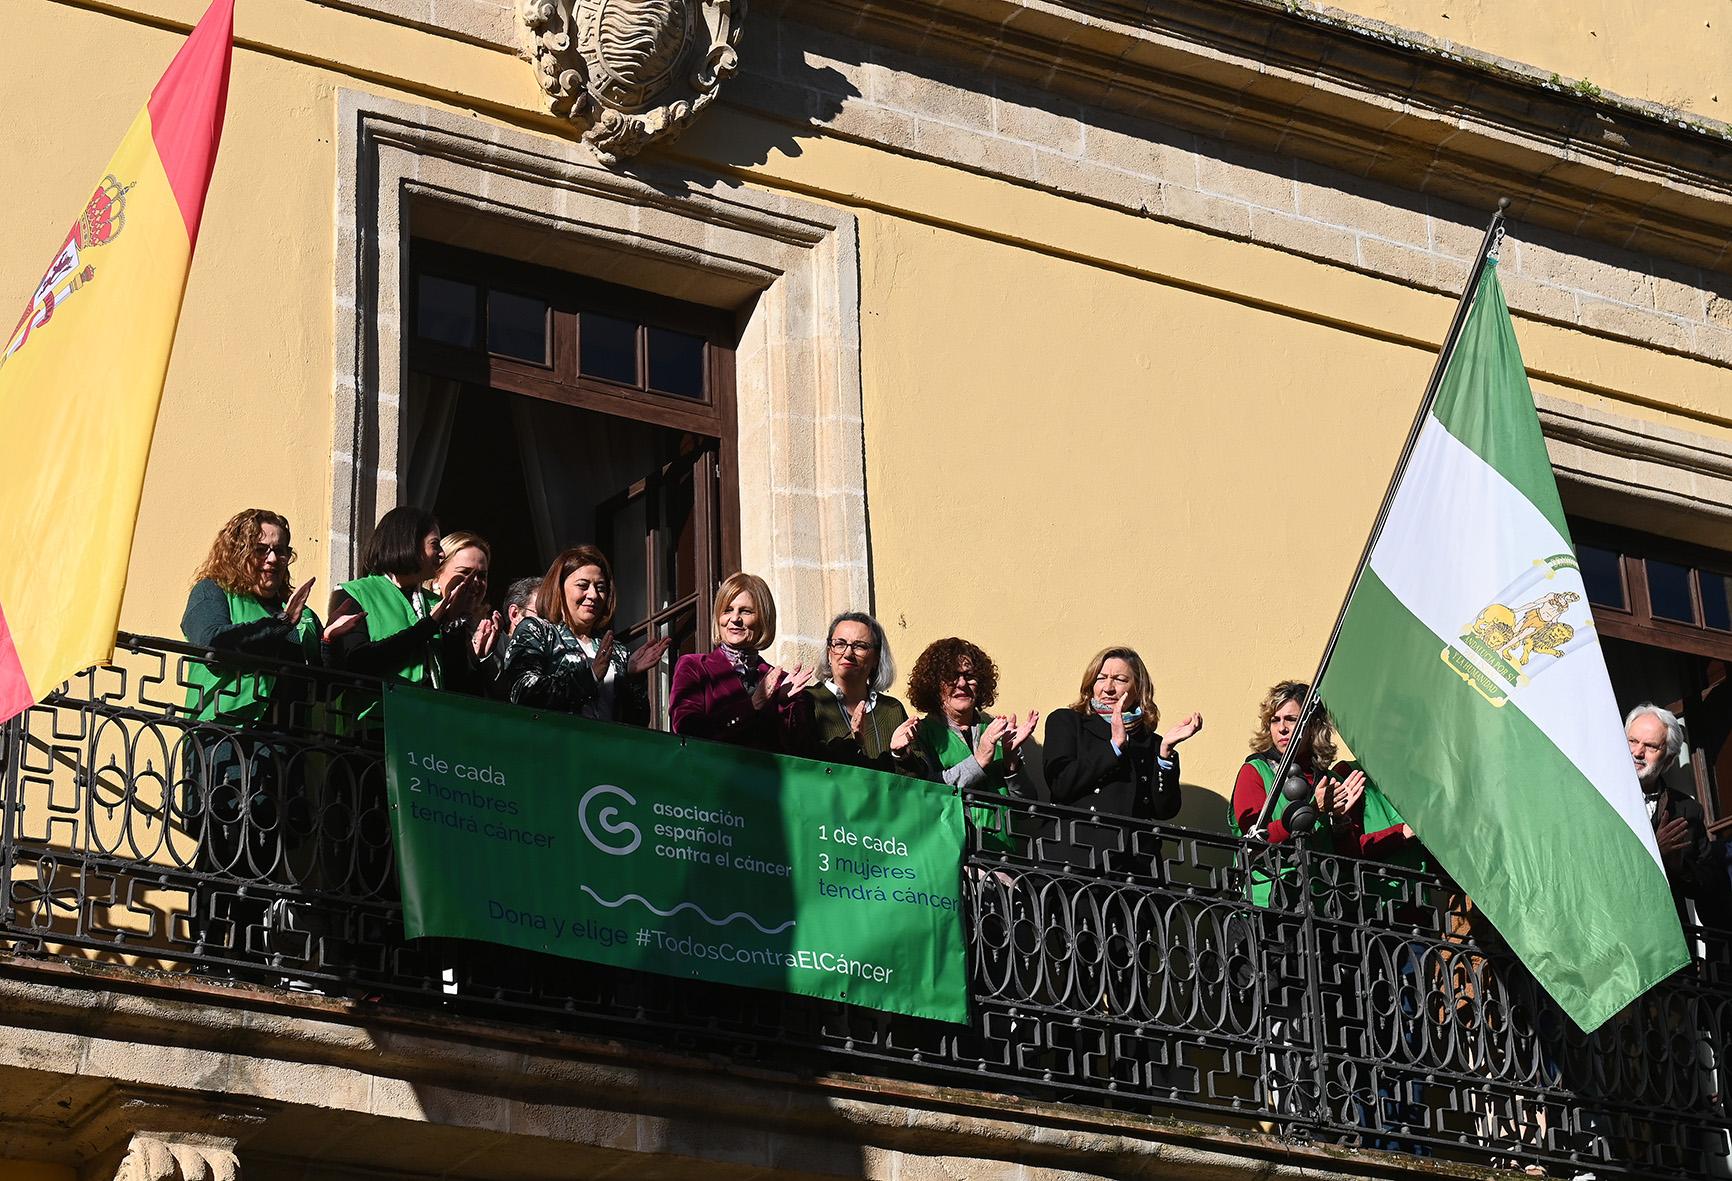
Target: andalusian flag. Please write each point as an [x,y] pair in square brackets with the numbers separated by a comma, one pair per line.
[82,373]
[1469,681]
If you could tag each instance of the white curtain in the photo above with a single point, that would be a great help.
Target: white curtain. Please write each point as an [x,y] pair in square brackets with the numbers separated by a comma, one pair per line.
[430,411]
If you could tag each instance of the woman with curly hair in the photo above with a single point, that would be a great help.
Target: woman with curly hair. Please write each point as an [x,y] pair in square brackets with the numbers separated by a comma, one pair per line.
[731,693]
[564,657]
[246,800]
[240,604]
[953,683]
[1277,727]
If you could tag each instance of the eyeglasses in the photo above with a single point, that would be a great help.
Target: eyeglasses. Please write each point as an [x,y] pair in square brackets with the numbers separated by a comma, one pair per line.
[858,647]
[261,551]
[965,678]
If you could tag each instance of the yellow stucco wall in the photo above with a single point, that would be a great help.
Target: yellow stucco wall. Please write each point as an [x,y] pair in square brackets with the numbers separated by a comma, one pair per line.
[1678,54]
[1081,426]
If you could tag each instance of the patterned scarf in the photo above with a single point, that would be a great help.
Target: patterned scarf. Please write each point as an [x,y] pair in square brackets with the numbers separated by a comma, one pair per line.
[747,663]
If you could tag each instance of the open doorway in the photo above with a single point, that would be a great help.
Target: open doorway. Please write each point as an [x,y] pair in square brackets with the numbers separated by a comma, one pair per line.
[544,411]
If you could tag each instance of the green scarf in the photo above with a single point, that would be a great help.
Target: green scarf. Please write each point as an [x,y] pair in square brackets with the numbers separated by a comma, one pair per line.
[243,696]
[949,748]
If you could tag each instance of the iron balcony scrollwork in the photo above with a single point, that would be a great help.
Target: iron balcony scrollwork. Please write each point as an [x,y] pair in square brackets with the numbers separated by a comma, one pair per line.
[1112,962]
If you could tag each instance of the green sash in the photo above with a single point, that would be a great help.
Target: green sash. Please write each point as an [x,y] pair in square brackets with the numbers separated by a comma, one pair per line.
[243,696]
[950,748]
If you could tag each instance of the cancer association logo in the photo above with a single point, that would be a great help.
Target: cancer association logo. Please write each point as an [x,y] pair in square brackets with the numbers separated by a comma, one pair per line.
[607,820]
[1535,622]
[103,219]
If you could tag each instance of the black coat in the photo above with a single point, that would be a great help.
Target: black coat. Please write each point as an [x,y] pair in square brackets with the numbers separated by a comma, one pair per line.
[1699,873]
[1083,772]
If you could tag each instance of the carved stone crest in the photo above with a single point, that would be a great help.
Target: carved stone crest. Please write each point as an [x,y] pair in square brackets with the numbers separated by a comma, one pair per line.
[628,72]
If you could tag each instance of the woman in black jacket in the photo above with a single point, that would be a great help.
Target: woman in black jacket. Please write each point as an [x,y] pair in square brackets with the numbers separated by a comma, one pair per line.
[1106,753]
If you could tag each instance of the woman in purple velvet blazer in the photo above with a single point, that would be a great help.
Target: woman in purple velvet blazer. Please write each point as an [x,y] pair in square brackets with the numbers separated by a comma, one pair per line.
[731,693]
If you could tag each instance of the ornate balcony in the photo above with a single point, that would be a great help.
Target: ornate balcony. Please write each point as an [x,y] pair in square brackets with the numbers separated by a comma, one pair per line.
[1119,976]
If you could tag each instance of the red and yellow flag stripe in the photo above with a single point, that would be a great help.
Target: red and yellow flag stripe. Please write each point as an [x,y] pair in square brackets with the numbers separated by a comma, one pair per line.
[81,376]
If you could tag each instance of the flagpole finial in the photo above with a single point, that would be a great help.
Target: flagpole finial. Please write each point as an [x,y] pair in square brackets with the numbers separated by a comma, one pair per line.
[1502,204]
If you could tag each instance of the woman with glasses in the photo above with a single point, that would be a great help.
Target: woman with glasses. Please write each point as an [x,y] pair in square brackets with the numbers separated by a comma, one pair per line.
[240,603]
[244,798]
[731,693]
[563,656]
[857,720]
[953,683]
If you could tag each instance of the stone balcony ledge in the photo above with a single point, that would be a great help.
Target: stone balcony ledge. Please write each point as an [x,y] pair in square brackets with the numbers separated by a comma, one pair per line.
[91,1053]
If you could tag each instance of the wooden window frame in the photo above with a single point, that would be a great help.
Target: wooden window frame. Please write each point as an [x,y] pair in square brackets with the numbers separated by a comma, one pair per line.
[568,297]
[1636,623]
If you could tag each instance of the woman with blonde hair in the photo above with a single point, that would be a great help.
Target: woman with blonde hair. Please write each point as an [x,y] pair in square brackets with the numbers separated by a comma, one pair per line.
[1107,752]
[467,556]
[731,693]
[1277,728]
[564,657]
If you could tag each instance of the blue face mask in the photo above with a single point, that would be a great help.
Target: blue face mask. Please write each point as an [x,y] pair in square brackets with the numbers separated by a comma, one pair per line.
[1106,711]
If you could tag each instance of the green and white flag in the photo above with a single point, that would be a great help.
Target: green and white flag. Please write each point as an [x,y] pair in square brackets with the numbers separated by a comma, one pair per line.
[1468,680]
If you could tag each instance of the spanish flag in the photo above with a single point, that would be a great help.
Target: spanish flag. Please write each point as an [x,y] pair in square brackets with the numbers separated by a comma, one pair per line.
[81,376]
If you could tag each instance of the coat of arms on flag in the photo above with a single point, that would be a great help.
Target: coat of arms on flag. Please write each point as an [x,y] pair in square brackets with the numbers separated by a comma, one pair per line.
[1534,622]
[103,218]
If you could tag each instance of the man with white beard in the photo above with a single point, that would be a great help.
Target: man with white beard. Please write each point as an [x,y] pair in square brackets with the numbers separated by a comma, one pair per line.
[1695,865]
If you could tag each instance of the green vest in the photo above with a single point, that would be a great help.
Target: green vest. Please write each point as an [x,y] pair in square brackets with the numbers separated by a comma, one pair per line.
[949,748]
[1262,884]
[243,696]
[390,611]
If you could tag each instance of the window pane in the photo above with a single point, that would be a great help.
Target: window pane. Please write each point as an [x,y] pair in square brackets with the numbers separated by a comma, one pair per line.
[1669,591]
[1716,601]
[630,578]
[445,311]
[517,326]
[1600,571]
[676,363]
[607,348]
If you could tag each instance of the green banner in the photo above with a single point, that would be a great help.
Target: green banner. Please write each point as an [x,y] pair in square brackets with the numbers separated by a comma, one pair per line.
[689,858]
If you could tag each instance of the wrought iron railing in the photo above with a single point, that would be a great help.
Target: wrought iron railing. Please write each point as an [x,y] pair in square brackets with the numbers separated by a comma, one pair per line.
[1113,962]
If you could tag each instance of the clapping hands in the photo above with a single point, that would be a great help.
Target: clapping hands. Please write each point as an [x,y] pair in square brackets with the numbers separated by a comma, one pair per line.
[788,683]
[648,656]
[1188,726]
[1346,795]
[298,602]
[488,629]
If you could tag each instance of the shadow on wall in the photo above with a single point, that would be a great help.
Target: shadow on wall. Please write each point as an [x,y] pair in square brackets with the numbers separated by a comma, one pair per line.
[1201,808]
[776,80]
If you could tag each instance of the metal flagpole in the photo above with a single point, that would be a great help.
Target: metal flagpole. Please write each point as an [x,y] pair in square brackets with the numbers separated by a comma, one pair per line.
[1488,246]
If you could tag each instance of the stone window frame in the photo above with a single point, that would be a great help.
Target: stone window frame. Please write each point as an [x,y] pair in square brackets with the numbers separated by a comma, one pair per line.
[789,269]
